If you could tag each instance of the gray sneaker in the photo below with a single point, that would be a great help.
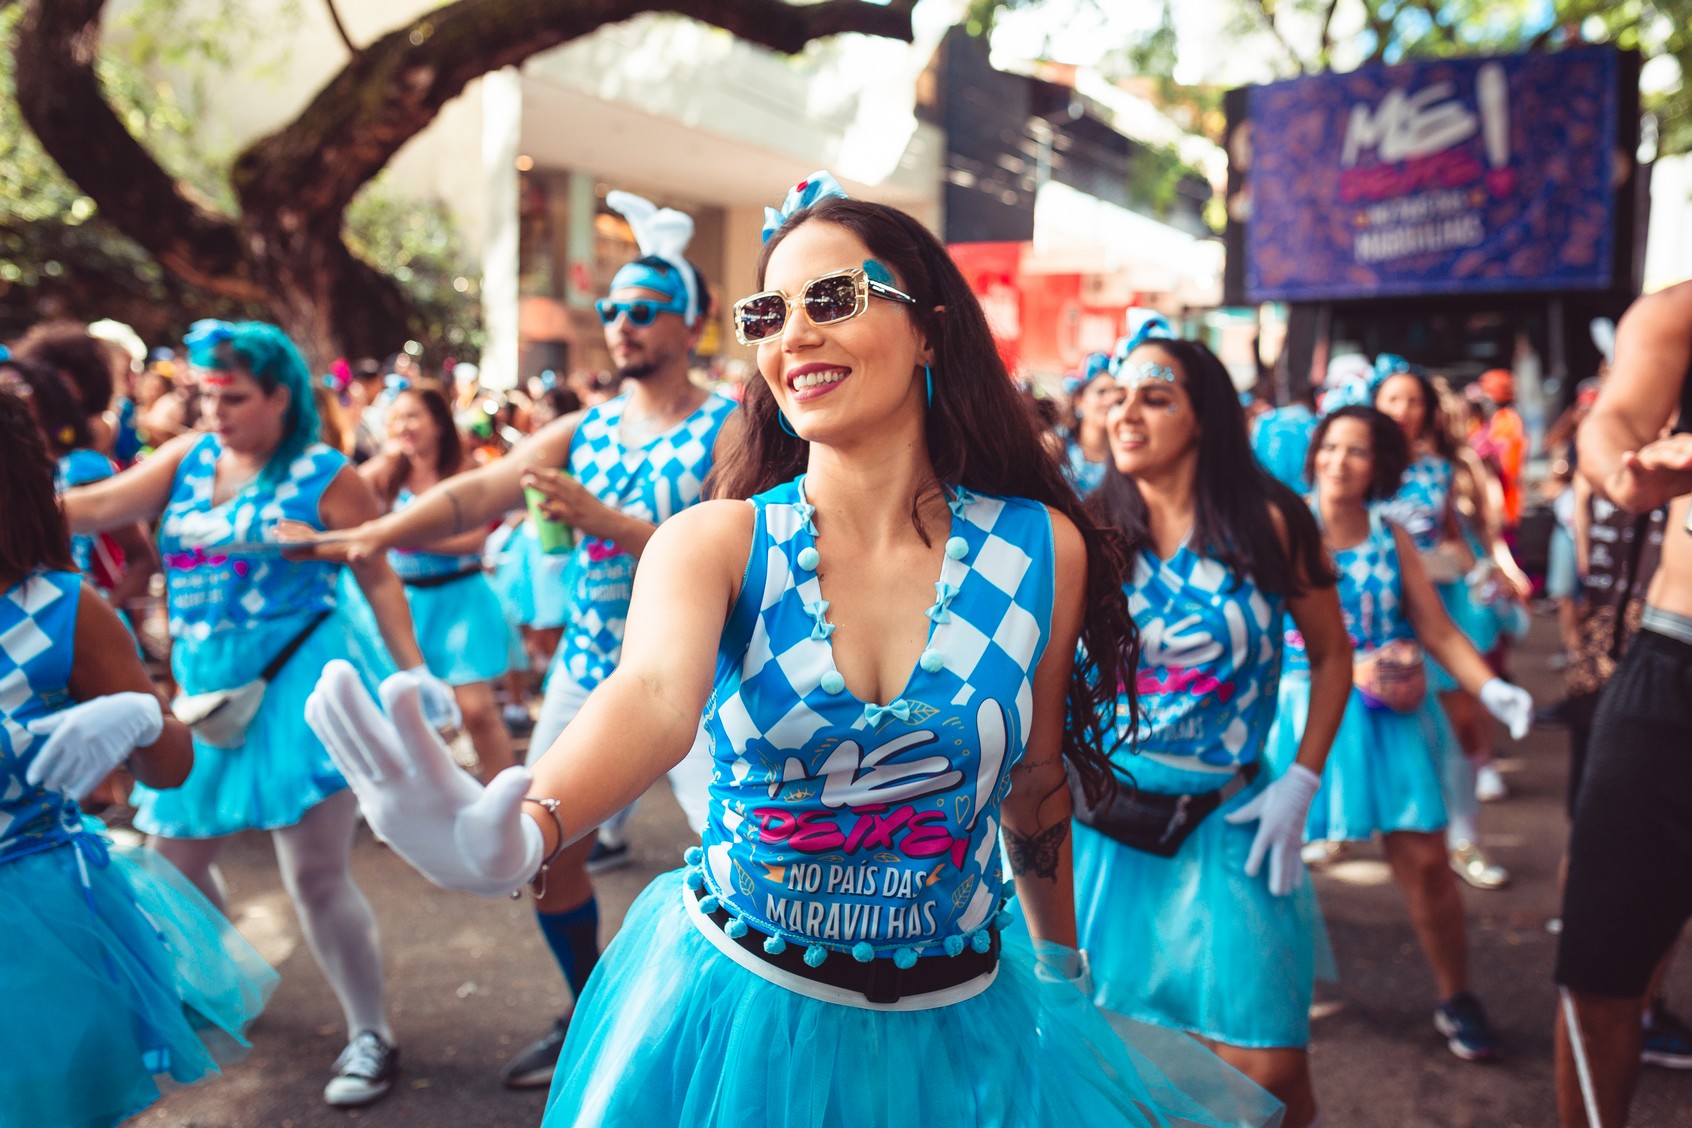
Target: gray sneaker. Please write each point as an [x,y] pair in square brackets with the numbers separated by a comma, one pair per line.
[533,1068]
[364,1073]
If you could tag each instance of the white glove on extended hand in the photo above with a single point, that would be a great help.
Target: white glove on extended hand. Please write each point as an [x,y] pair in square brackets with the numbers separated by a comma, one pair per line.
[1511,704]
[88,740]
[440,704]
[435,815]
[1280,810]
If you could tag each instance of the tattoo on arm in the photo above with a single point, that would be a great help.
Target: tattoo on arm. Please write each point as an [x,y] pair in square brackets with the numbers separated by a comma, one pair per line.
[1037,853]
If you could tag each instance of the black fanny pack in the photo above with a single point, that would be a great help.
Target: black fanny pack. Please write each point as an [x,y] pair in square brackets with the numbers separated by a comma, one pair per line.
[879,980]
[440,581]
[1149,820]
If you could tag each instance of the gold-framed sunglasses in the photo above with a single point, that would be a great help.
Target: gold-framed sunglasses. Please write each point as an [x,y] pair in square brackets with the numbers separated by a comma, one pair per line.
[826,299]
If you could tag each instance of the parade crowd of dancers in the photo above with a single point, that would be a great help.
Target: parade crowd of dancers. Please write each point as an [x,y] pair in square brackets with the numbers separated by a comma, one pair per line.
[1007,744]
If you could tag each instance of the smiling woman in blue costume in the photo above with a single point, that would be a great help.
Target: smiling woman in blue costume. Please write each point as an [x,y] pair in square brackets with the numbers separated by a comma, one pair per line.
[1383,773]
[1184,927]
[832,954]
[117,972]
[238,609]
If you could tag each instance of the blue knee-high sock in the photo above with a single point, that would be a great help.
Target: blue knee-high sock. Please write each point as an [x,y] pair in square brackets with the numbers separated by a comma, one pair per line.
[573,937]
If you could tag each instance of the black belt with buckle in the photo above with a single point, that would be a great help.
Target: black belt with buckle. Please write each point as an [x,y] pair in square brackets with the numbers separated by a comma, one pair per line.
[879,980]
[440,581]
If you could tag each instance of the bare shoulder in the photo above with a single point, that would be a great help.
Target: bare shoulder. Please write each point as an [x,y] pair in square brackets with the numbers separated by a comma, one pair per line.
[712,531]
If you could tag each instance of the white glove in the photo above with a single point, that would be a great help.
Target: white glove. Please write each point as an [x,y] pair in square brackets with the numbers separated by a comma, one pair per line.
[435,815]
[1059,964]
[88,740]
[1511,704]
[440,703]
[1280,810]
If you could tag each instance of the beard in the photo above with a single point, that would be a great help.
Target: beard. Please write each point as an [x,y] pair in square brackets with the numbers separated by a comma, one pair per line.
[637,370]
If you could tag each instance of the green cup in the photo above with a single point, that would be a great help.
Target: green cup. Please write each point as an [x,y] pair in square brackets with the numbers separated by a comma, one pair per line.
[555,537]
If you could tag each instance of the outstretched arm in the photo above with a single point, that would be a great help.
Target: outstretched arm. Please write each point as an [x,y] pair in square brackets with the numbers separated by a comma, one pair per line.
[1621,452]
[136,494]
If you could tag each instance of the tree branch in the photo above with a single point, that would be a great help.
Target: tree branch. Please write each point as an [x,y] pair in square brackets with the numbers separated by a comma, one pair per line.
[340,28]
[1326,43]
[395,86]
[1268,18]
[59,93]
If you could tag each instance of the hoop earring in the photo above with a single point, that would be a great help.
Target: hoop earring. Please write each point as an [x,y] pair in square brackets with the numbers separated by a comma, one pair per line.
[928,381]
[781,420]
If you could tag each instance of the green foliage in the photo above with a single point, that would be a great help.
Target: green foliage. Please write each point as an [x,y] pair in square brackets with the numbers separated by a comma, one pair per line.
[417,244]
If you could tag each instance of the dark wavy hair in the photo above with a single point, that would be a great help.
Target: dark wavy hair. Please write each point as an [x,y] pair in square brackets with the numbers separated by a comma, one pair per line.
[83,360]
[33,534]
[981,435]
[64,424]
[449,452]
[1389,450]
[1435,428]
[1233,493]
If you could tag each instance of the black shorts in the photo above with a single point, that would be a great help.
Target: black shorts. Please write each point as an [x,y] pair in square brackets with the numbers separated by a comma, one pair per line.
[1630,856]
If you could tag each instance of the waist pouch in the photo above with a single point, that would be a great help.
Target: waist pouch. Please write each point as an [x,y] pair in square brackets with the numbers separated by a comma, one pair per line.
[1149,820]
[1392,676]
[440,581]
[220,717]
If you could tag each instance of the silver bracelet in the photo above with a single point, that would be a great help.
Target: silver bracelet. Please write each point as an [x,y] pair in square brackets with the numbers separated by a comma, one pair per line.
[538,882]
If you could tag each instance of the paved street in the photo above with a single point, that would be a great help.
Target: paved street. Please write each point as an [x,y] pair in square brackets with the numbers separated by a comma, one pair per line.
[471,982]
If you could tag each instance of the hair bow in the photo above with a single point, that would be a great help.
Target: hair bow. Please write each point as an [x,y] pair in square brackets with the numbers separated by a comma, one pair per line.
[661,233]
[1143,325]
[820,185]
[204,338]
[1391,364]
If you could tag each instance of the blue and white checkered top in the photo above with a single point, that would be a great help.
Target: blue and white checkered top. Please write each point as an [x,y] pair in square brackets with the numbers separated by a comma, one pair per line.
[843,823]
[1371,592]
[37,624]
[653,482]
[1422,502]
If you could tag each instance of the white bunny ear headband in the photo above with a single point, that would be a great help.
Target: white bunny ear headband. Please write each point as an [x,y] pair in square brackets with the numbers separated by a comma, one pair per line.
[661,233]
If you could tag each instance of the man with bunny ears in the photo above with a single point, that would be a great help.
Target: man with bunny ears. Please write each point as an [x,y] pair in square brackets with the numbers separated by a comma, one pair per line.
[612,473]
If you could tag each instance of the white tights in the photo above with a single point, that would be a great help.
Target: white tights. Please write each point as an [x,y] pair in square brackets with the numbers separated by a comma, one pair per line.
[314,856]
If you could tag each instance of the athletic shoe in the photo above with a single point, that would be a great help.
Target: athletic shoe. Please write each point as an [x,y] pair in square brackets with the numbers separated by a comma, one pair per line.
[1323,853]
[605,857]
[1489,785]
[1668,1040]
[1471,865]
[364,1073]
[533,1068]
[1468,1034]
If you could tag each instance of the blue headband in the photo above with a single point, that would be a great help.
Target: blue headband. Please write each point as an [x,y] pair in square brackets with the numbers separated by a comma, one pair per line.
[662,234]
[820,185]
[205,343]
[666,279]
[1150,327]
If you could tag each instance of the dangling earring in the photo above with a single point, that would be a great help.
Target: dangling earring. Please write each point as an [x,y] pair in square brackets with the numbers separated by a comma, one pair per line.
[928,381]
[781,420]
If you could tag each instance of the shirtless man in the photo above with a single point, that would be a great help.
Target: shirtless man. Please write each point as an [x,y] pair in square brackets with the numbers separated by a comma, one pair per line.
[1630,858]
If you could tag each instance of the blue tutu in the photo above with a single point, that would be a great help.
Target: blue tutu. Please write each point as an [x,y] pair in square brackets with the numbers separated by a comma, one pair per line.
[512,549]
[551,578]
[113,986]
[1383,771]
[1191,942]
[671,1031]
[282,770]
[460,630]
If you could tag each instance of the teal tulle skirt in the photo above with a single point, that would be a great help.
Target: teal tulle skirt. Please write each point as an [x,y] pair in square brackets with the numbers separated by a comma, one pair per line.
[1191,942]
[114,986]
[461,630]
[670,1031]
[1383,771]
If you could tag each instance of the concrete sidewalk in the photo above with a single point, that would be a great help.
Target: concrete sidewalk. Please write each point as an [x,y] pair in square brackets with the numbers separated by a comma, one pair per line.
[471,982]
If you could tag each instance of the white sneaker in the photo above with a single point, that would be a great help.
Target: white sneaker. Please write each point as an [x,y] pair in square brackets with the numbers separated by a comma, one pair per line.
[364,1073]
[1489,785]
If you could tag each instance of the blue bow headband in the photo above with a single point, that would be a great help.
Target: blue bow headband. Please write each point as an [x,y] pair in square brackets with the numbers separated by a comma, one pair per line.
[820,185]
[1143,326]
[205,341]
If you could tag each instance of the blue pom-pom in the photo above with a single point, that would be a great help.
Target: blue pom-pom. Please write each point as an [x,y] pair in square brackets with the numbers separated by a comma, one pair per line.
[932,660]
[954,945]
[815,955]
[775,945]
[709,904]
[808,559]
[735,929]
[832,682]
[905,958]
[863,951]
[981,941]
[693,856]
[1004,919]
[694,880]
[957,548]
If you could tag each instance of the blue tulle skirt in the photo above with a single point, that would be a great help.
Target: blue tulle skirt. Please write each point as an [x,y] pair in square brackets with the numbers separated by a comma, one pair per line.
[113,987]
[1191,942]
[512,577]
[670,1031]
[1383,771]
[461,630]
[550,578]
[282,770]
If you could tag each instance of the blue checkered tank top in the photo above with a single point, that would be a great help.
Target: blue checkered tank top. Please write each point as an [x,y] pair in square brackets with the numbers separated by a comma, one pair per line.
[859,826]
[1371,592]
[37,624]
